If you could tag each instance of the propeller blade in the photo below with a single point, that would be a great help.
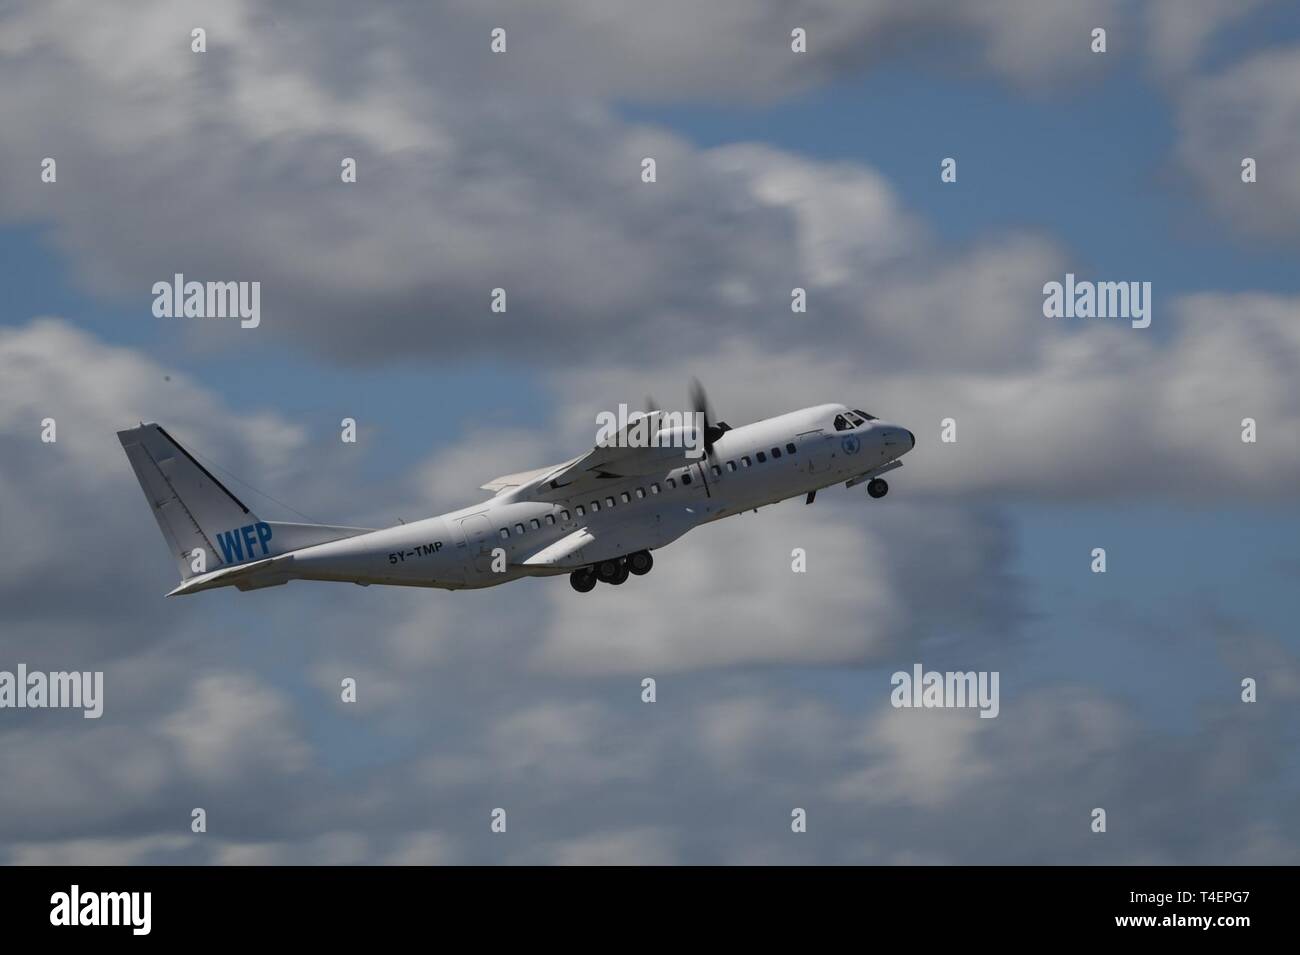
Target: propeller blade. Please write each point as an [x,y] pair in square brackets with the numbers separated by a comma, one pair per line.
[700,405]
[712,430]
[699,400]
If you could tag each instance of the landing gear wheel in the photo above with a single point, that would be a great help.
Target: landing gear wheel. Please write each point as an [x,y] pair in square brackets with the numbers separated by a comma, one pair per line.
[640,562]
[620,576]
[607,570]
[583,581]
[876,487]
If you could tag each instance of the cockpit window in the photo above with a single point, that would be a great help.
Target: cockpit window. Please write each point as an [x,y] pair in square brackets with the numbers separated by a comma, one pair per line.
[842,423]
[857,422]
[869,417]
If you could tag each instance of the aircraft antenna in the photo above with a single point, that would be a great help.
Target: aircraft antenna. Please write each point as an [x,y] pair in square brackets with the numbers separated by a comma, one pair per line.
[262,494]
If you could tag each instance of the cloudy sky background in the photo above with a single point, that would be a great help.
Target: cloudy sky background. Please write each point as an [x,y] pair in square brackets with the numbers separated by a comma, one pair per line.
[775,170]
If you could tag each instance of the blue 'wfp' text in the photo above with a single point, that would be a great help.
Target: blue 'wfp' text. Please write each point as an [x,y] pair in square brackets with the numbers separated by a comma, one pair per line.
[241,541]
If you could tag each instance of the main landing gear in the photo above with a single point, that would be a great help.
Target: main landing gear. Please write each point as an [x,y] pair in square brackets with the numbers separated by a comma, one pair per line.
[877,487]
[614,571]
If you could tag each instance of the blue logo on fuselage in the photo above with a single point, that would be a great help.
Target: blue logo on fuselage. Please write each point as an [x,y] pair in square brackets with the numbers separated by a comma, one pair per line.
[851,444]
[241,541]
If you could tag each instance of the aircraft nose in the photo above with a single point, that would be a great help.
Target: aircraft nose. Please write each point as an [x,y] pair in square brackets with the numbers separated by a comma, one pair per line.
[910,437]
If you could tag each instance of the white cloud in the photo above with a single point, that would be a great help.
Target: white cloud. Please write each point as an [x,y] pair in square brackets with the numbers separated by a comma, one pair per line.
[560,742]
[846,216]
[487,171]
[734,599]
[233,728]
[647,846]
[106,851]
[1180,29]
[1251,109]
[917,757]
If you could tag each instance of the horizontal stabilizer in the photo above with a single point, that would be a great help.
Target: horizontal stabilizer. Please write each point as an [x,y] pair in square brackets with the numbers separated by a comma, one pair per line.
[260,573]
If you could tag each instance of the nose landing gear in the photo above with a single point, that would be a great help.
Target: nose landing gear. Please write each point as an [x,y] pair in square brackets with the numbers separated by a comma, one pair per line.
[877,487]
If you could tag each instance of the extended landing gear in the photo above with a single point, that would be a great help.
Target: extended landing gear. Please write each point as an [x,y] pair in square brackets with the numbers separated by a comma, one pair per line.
[614,571]
[877,487]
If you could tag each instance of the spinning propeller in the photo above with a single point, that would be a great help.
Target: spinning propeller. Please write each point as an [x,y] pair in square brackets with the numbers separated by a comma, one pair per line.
[712,430]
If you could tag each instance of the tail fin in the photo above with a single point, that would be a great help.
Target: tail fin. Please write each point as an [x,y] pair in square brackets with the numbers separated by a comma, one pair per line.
[198,514]
[205,525]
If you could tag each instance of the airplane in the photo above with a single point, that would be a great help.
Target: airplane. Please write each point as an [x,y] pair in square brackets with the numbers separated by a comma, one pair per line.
[596,517]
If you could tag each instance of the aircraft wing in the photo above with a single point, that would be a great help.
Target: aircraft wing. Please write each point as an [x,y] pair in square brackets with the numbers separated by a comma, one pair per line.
[507,481]
[622,456]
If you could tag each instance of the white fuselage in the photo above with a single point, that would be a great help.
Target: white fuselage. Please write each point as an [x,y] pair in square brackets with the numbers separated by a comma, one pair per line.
[485,544]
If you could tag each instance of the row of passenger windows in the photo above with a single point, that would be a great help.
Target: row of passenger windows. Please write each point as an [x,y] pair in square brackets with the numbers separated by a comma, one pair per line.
[761,457]
[640,493]
[581,510]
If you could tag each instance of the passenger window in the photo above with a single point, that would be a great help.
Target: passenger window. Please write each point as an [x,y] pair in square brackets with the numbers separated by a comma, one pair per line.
[504,532]
[731,465]
[744,459]
[640,493]
[686,477]
[671,482]
[789,448]
[776,452]
[580,511]
[761,457]
[564,515]
[717,471]
[536,524]
[595,506]
[609,502]
[654,488]
[550,519]
[625,498]
[519,528]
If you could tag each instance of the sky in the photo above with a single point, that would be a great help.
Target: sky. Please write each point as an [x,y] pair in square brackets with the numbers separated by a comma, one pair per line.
[774,170]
